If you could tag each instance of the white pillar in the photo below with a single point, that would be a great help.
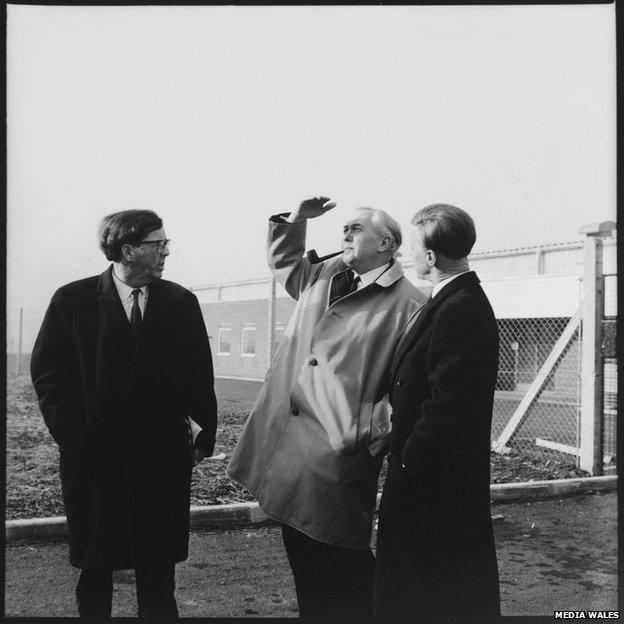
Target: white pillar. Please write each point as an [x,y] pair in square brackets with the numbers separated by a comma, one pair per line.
[592,384]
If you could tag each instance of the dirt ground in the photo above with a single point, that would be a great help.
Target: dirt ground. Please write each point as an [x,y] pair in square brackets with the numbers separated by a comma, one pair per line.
[553,555]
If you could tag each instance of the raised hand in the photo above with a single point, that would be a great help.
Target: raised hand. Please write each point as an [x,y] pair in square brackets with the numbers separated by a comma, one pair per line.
[311,208]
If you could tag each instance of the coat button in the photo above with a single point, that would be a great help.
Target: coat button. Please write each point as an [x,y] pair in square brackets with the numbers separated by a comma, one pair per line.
[399,381]
[294,411]
[312,361]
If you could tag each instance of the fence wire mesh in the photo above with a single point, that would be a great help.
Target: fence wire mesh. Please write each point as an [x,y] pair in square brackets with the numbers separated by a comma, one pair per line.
[537,400]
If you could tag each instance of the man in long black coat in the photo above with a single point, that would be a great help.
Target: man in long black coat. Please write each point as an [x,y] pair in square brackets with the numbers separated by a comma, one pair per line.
[121,365]
[435,548]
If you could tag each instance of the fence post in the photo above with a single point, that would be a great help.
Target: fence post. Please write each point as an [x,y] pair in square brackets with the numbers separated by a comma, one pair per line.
[270,323]
[592,308]
[18,364]
[539,261]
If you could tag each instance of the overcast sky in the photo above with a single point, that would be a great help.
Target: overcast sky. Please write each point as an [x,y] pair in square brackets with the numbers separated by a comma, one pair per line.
[217,117]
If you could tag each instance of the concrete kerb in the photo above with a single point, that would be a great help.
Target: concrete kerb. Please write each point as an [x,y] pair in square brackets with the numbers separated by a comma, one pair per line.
[556,488]
[250,514]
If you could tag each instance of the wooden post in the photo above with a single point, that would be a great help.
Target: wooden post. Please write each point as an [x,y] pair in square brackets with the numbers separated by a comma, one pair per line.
[18,364]
[592,385]
[270,323]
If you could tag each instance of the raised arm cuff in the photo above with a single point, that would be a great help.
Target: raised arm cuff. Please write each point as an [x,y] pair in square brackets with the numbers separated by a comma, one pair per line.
[282,217]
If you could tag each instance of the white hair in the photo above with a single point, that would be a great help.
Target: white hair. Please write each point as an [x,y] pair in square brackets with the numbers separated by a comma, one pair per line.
[387,225]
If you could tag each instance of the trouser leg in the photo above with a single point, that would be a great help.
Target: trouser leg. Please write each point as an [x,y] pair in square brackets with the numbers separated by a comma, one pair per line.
[155,587]
[330,581]
[94,593]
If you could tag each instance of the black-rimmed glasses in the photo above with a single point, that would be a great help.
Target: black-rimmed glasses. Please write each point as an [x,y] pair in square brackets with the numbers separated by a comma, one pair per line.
[162,243]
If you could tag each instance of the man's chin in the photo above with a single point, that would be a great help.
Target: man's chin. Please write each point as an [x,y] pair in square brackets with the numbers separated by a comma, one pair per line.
[348,258]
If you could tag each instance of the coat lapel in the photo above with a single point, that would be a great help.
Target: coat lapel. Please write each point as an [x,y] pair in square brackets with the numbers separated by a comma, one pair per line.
[391,275]
[113,306]
[467,279]
[411,334]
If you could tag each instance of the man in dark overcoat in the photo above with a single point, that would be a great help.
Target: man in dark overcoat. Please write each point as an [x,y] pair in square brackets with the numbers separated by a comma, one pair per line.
[123,372]
[436,558]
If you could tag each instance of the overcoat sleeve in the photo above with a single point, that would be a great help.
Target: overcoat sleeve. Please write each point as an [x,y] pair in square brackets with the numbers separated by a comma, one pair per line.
[202,400]
[55,375]
[285,249]
[455,378]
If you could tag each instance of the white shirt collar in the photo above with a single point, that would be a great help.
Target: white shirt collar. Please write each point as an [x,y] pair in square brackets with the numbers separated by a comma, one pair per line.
[370,276]
[123,290]
[440,285]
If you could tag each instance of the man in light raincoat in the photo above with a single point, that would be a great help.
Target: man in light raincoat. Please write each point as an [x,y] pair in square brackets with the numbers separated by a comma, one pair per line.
[313,445]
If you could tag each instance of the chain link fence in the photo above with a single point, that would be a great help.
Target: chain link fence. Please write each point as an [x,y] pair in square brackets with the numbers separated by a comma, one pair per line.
[537,400]
[535,293]
[610,413]
[552,417]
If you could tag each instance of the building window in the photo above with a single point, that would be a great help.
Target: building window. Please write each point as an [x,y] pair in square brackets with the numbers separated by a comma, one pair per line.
[248,341]
[224,341]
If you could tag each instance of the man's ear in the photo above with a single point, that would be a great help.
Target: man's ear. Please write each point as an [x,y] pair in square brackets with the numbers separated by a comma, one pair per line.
[385,244]
[431,257]
[127,252]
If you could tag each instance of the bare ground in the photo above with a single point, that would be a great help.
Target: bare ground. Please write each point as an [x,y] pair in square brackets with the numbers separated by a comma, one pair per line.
[552,555]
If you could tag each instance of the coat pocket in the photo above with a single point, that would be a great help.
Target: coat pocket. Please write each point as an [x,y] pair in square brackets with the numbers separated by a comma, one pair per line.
[374,426]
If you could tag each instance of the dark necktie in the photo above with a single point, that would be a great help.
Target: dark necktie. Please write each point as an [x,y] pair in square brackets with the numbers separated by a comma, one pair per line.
[135,314]
[342,284]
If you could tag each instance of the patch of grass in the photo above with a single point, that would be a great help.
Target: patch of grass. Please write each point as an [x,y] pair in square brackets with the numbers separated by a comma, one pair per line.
[33,483]
[532,465]
[210,485]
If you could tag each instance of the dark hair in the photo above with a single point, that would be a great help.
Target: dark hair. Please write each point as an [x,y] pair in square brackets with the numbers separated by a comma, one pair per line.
[446,229]
[125,227]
